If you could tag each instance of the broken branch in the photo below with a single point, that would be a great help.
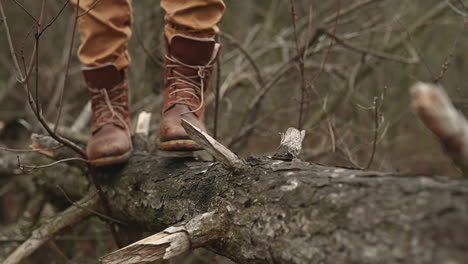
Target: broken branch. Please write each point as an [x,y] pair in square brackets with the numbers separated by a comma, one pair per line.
[222,154]
[434,108]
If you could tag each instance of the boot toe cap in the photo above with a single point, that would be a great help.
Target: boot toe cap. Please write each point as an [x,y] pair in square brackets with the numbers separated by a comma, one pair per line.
[174,133]
[109,144]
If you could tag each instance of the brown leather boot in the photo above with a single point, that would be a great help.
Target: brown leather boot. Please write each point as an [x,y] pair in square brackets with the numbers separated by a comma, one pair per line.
[189,65]
[110,142]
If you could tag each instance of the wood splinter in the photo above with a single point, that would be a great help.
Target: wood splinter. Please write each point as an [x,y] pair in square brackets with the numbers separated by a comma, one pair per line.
[222,154]
[434,108]
[140,138]
[143,124]
[291,144]
[171,242]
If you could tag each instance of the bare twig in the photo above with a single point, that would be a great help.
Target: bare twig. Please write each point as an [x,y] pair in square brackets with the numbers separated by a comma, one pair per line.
[22,79]
[300,62]
[52,21]
[456,9]
[51,228]
[105,204]
[34,167]
[246,54]
[330,46]
[90,209]
[374,53]
[217,95]
[445,66]
[67,68]
[26,11]
[55,247]
[93,5]
[28,150]
[376,131]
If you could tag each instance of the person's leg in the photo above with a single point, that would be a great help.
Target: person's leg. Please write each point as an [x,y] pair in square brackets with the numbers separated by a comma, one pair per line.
[196,18]
[191,54]
[105,29]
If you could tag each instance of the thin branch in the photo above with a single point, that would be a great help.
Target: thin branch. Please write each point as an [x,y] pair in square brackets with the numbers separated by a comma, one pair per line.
[456,9]
[446,65]
[330,46]
[67,68]
[22,79]
[376,132]
[115,220]
[89,9]
[246,54]
[300,62]
[70,217]
[26,11]
[56,248]
[34,167]
[10,43]
[28,150]
[217,95]
[52,21]
[374,53]
[105,203]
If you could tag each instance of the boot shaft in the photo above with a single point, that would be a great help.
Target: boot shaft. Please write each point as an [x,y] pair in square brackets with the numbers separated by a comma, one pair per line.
[108,90]
[189,67]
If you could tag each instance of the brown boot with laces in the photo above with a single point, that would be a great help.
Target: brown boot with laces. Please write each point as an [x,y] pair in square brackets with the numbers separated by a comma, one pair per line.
[189,66]
[110,142]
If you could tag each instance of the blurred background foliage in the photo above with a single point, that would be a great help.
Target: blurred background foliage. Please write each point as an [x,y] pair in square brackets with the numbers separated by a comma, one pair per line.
[362,58]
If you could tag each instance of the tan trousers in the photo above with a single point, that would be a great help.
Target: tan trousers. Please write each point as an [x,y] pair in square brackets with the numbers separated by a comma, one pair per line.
[105,27]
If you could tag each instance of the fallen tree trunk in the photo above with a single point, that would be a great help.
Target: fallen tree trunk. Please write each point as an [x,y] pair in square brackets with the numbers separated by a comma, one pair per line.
[284,211]
[295,212]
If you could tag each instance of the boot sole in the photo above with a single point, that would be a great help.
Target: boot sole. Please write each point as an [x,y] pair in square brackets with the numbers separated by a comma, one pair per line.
[179,145]
[111,160]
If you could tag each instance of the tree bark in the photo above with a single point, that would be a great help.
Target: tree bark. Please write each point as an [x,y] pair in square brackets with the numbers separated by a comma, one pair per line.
[293,211]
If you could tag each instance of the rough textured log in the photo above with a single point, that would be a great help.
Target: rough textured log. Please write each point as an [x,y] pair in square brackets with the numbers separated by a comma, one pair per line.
[276,211]
[296,212]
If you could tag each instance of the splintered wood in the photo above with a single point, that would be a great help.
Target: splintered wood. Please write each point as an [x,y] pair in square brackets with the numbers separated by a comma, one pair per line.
[222,154]
[162,245]
[171,242]
[143,124]
[140,137]
[434,108]
[291,144]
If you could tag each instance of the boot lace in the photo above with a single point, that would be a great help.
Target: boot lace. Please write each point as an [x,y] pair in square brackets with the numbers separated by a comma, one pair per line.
[109,109]
[191,86]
